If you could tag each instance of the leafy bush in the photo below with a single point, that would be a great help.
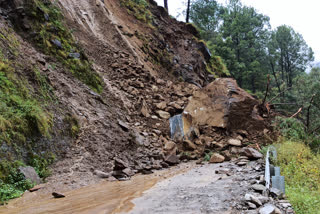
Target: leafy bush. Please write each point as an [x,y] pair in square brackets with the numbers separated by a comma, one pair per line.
[293,129]
[41,164]
[12,182]
[301,168]
[139,8]
[21,115]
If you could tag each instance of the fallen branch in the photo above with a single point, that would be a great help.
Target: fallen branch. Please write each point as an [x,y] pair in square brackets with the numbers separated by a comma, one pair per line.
[300,109]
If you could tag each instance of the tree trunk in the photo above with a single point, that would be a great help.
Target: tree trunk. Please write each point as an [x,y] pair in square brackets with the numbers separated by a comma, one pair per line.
[188,12]
[166,5]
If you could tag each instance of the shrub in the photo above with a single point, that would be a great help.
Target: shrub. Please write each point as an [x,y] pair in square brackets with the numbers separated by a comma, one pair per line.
[301,168]
[12,182]
[139,8]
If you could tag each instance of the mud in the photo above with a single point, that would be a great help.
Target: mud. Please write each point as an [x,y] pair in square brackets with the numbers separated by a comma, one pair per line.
[104,197]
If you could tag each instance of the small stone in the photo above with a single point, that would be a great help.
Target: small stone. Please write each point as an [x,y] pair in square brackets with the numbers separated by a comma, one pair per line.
[253,199]
[263,199]
[112,179]
[58,195]
[252,206]
[234,142]
[102,174]
[128,172]
[172,159]
[189,145]
[252,153]
[258,187]
[123,125]
[154,117]
[36,188]
[57,43]
[269,209]
[161,105]
[74,55]
[276,193]
[242,163]
[285,205]
[163,114]
[169,145]
[216,158]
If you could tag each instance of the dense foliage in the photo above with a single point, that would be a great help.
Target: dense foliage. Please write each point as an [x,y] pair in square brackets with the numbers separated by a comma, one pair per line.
[301,168]
[255,54]
[249,47]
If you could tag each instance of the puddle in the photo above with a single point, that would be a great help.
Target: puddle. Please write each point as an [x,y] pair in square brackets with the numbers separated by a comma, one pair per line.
[101,198]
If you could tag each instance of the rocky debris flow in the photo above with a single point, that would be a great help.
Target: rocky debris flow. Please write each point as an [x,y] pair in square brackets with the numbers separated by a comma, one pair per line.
[211,188]
[258,200]
[125,129]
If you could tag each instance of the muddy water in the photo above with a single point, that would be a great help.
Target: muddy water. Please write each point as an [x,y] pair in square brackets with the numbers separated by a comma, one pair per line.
[102,198]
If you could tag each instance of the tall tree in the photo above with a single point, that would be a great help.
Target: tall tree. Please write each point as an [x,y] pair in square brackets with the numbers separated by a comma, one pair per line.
[205,14]
[294,53]
[166,5]
[188,11]
[244,32]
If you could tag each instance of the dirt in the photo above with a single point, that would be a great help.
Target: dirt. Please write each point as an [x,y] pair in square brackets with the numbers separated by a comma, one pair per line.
[103,197]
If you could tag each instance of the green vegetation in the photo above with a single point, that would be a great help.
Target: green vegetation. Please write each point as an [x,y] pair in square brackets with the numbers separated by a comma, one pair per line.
[139,8]
[55,39]
[207,156]
[41,163]
[21,116]
[251,51]
[12,182]
[301,168]
[73,123]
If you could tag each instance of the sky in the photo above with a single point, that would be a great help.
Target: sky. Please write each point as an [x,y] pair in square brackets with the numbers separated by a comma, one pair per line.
[303,16]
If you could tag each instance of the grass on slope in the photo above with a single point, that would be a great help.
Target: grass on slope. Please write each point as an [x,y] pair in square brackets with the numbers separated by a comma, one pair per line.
[301,168]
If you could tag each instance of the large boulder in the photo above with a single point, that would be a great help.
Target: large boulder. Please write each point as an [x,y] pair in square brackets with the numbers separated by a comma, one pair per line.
[224,104]
[30,174]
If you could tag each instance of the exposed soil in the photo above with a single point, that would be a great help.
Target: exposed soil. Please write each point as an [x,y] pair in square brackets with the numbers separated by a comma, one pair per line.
[149,75]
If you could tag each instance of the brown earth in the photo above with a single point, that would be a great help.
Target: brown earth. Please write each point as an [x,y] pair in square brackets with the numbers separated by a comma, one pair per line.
[149,73]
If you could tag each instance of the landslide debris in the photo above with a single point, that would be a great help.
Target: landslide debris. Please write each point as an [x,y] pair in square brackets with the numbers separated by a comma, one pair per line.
[116,80]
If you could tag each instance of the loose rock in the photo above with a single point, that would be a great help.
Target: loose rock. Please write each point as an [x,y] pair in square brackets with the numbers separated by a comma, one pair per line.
[163,114]
[30,173]
[253,199]
[234,142]
[252,153]
[216,158]
[58,195]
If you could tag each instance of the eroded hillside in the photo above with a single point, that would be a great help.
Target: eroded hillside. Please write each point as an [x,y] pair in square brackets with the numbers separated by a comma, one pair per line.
[93,83]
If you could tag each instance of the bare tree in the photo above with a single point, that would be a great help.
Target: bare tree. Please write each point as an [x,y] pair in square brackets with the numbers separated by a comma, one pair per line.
[188,12]
[166,5]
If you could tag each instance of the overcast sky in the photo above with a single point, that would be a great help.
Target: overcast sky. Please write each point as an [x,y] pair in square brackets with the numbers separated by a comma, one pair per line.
[302,15]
